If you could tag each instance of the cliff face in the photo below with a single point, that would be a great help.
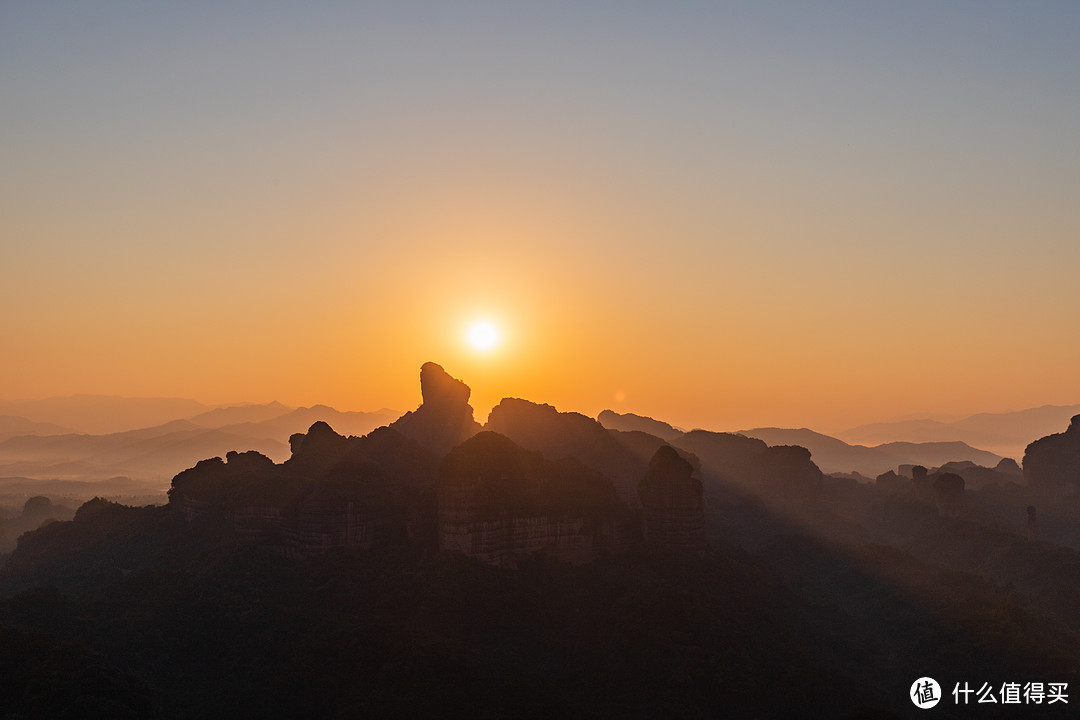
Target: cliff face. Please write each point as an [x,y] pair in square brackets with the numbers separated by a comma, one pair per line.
[949,494]
[500,503]
[314,525]
[558,435]
[1054,461]
[445,417]
[673,512]
[505,542]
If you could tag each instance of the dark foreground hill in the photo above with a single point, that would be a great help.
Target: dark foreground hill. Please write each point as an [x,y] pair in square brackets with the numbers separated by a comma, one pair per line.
[206,626]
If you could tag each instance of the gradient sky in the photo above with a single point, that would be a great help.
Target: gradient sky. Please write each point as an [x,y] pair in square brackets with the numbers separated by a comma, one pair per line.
[720,214]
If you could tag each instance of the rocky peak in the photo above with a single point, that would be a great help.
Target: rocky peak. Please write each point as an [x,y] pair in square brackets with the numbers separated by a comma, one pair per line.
[38,507]
[439,390]
[1009,467]
[667,461]
[444,418]
[317,450]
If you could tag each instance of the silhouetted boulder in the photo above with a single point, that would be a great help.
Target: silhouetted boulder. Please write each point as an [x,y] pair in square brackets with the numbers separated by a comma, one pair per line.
[37,510]
[891,481]
[725,457]
[1054,461]
[500,502]
[671,500]
[629,422]
[559,435]
[444,418]
[949,494]
[788,469]
[1008,466]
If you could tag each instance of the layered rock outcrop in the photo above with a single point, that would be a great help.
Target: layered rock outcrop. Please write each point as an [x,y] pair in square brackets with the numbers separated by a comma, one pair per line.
[501,503]
[333,492]
[673,513]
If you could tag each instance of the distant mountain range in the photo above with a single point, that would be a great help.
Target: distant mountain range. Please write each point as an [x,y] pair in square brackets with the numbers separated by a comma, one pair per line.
[1006,434]
[92,438]
[833,455]
[299,420]
[39,450]
[104,414]
[829,453]
[11,425]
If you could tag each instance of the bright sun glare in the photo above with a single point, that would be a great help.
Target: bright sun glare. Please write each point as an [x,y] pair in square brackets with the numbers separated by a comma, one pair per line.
[483,335]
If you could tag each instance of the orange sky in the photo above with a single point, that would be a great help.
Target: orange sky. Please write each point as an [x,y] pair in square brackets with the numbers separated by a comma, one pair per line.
[762,219]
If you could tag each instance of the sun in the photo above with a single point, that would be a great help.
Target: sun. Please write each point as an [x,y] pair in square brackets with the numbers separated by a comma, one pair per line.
[483,336]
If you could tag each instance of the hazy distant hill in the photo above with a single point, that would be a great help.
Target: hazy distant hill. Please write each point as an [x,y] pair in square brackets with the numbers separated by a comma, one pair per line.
[933,454]
[11,425]
[1006,434]
[249,413]
[629,422]
[833,455]
[300,419]
[155,453]
[830,454]
[82,490]
[102,414]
